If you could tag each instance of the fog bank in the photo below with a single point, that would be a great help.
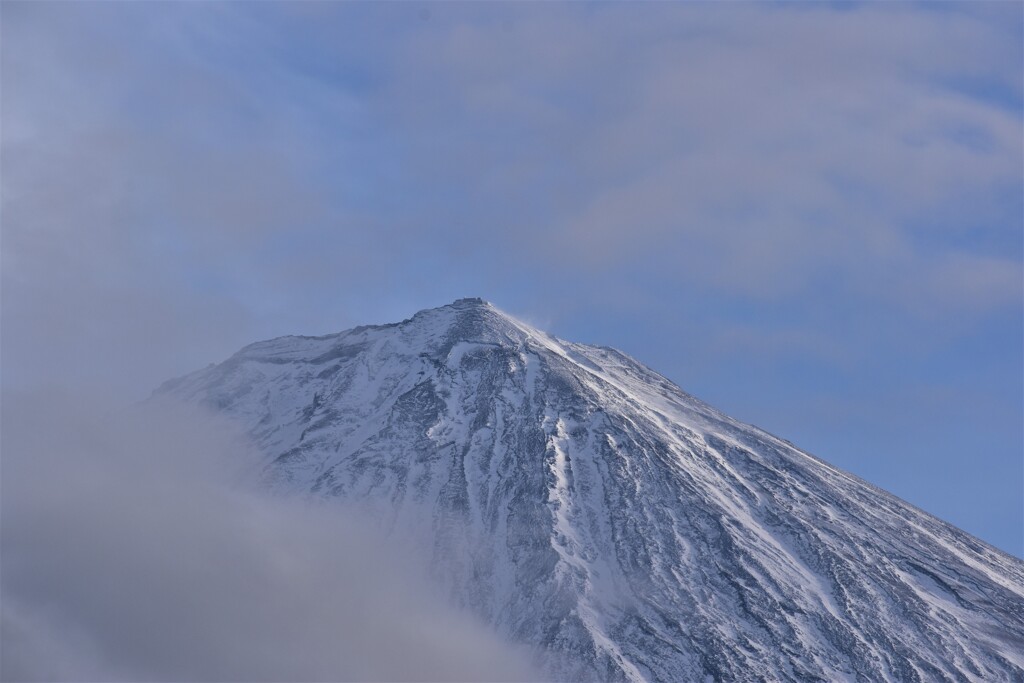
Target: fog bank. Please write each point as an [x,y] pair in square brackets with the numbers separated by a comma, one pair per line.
[134,550]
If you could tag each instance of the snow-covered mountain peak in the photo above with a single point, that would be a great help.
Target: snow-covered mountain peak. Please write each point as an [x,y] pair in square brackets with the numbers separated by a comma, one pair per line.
[471,320]
[587,506]
[434,333]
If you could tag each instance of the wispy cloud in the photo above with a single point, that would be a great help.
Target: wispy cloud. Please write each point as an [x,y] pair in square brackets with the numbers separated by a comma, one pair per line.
[181,179]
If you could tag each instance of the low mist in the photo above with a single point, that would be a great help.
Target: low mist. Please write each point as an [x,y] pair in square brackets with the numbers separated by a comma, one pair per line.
[134,549]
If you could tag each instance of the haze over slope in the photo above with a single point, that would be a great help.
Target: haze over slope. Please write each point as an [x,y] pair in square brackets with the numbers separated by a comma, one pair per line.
[585,505]
[134,551]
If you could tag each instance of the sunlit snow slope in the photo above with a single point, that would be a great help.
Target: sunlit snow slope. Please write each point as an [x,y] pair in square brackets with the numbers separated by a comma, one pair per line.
[587,506]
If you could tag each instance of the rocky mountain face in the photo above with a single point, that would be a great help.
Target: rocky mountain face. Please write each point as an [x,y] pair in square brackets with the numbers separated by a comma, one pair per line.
[585,505]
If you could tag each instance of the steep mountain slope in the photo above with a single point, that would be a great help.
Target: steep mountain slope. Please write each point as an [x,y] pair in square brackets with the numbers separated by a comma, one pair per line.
[584,504]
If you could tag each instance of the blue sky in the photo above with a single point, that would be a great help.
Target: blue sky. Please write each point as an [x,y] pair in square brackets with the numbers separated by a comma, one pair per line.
[809,215]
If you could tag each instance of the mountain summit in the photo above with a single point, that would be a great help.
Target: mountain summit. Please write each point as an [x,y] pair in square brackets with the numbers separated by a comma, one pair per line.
[586,506]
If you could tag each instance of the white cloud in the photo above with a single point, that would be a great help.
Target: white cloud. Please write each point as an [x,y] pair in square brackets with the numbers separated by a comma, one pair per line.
[131,552]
